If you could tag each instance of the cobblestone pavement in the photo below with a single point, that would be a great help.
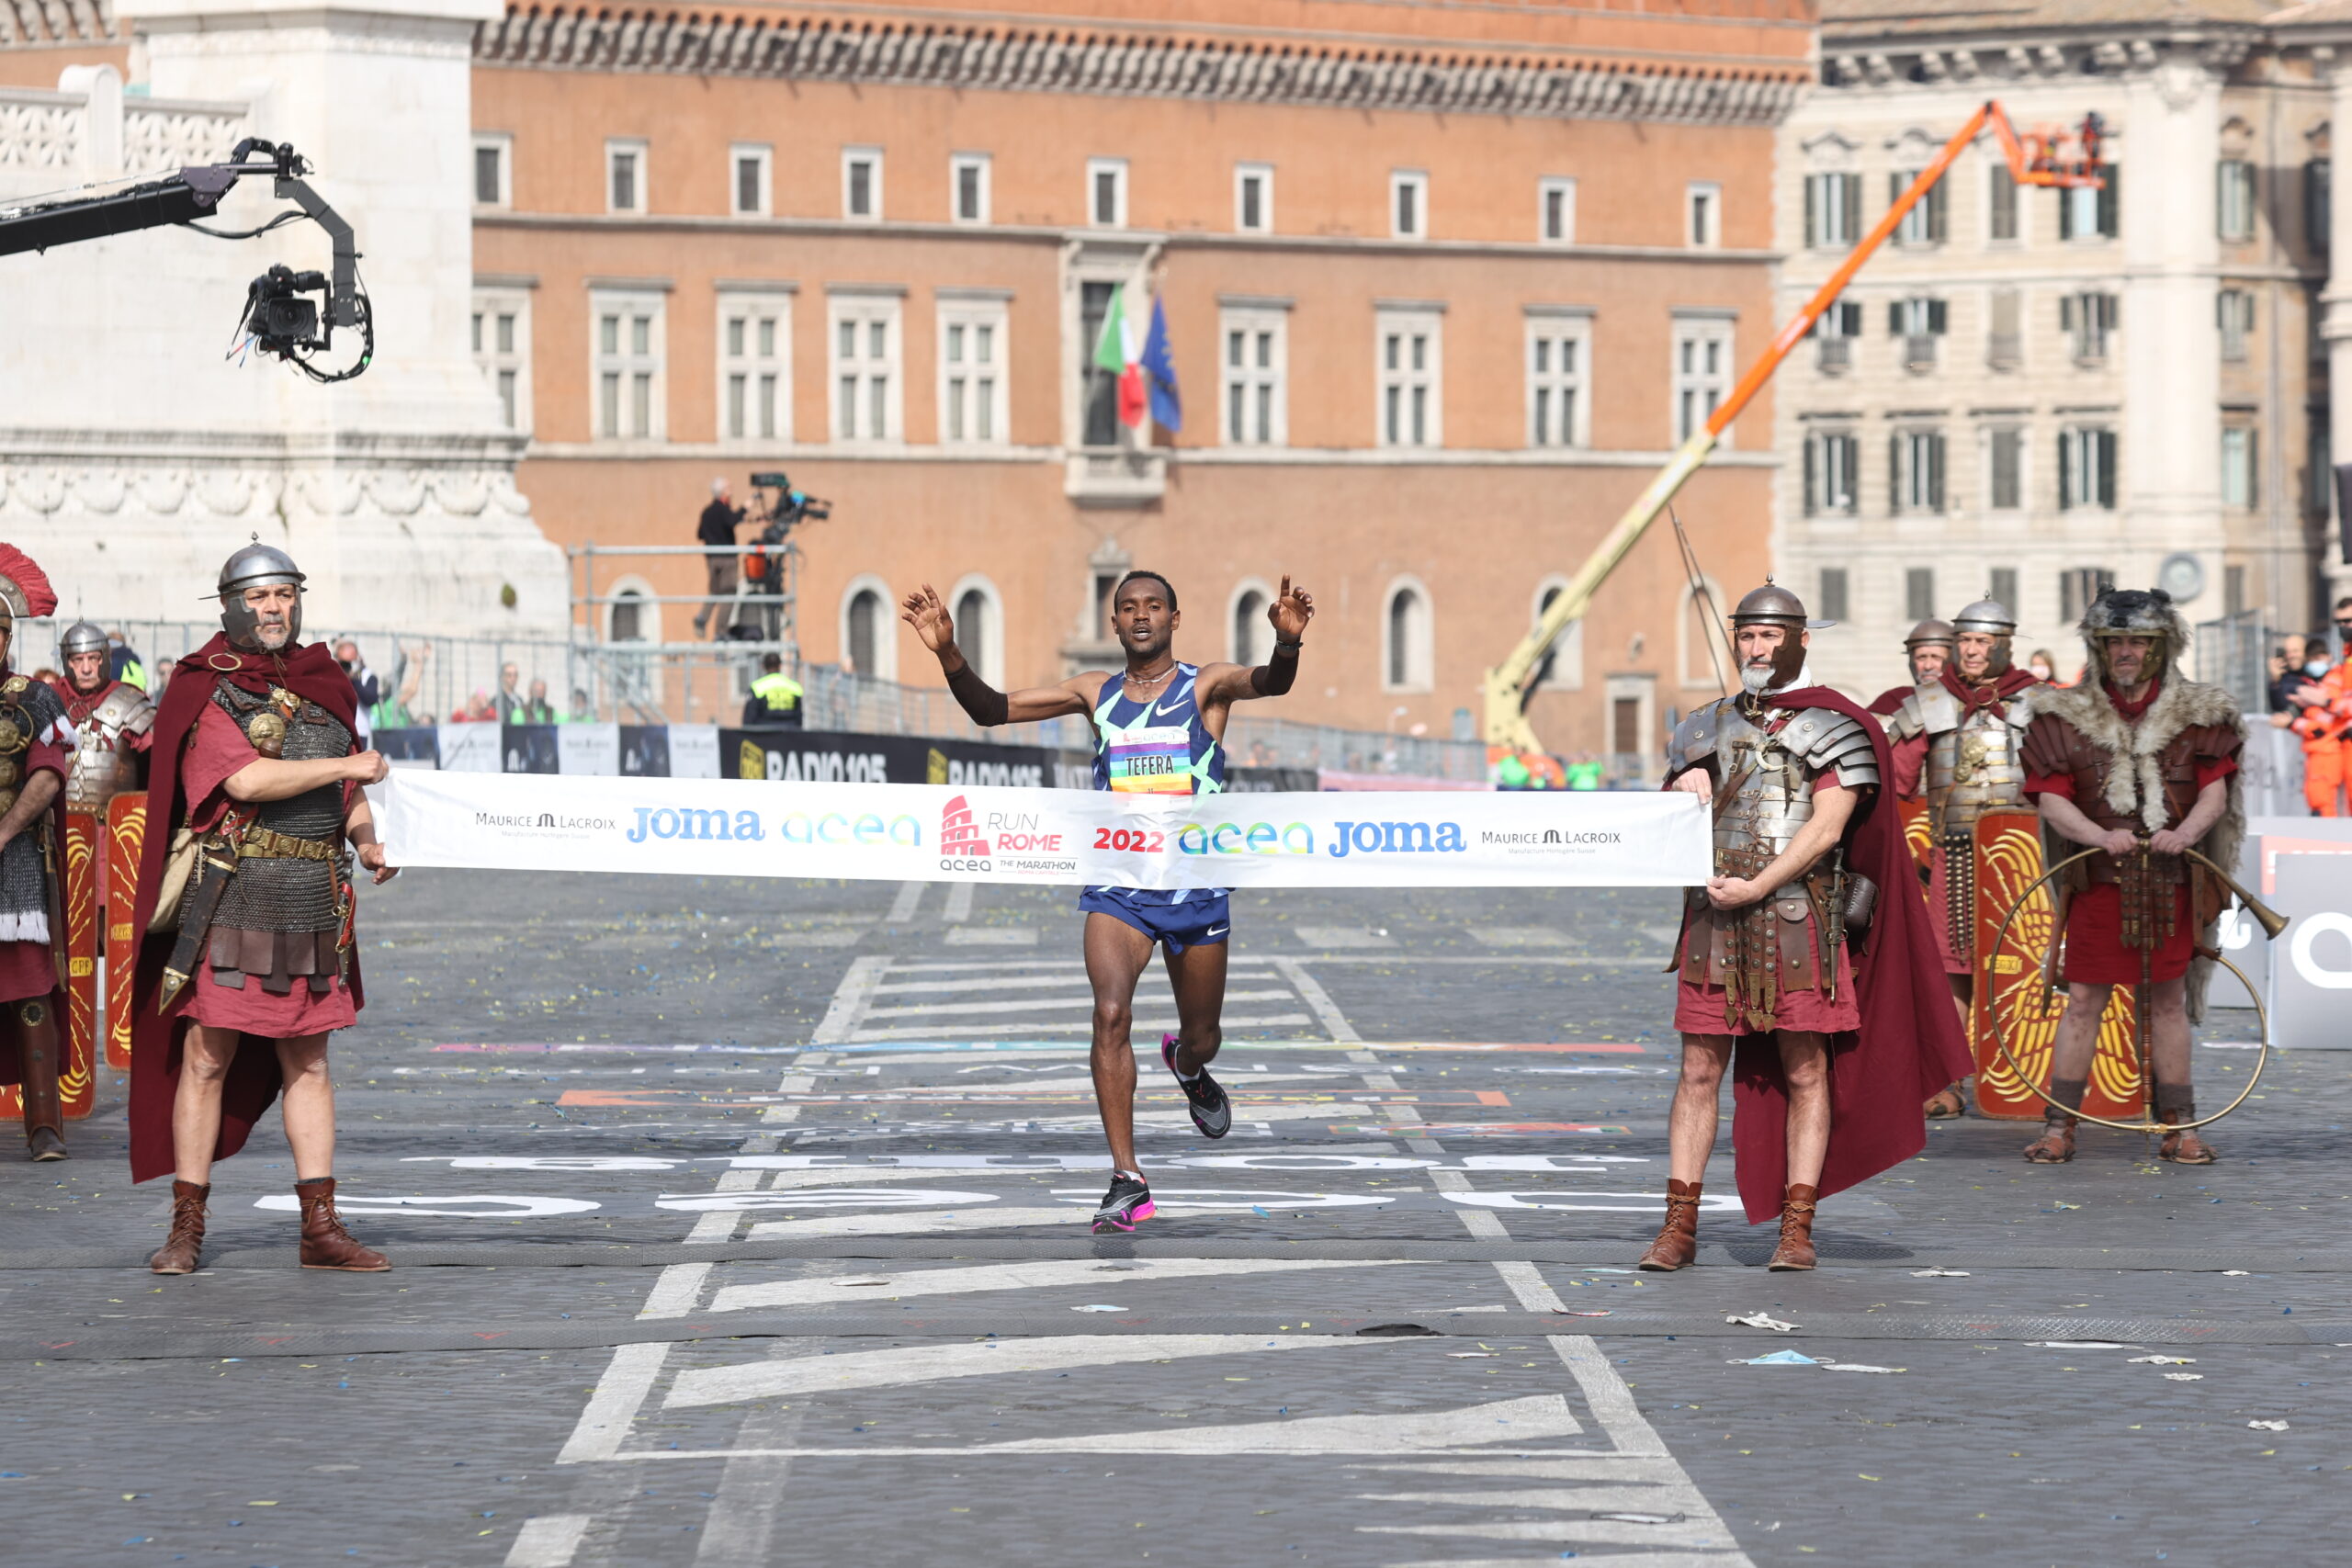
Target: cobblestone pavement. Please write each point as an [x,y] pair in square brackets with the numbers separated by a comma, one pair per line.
[745,1223]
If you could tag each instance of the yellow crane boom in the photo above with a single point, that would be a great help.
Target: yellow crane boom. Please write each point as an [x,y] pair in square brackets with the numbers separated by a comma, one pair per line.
[1505,688]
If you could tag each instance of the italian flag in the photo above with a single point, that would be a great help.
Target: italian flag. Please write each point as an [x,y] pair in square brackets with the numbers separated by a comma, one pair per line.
[1120,351]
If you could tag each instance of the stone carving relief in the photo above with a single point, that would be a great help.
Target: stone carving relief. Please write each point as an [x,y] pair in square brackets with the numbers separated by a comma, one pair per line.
[35,135]
[159,138]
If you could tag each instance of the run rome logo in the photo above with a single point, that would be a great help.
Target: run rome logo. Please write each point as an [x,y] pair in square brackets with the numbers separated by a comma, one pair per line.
[962,845]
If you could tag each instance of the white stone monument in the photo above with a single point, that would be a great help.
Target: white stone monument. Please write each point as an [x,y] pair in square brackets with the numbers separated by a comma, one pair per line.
[135,454]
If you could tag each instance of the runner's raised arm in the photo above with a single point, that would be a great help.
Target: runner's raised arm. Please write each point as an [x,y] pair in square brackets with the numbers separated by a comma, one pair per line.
[1225,683]
[986,706]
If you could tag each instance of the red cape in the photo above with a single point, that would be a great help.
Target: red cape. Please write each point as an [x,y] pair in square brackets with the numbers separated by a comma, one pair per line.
[41,758]
[1910,1045]
[2012,681]
[1886,701]
[311,673]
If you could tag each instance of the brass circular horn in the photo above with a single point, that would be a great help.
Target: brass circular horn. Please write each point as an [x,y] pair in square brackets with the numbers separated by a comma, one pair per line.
[2271,921]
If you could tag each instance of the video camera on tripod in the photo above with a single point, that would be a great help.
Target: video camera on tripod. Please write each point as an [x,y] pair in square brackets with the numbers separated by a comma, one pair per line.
[780,509]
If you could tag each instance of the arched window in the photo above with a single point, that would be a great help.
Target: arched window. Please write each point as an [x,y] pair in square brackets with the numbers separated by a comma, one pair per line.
[632,615]
[1253,637]
[979,626]
[869,643]
[1406,663]
[1563,666]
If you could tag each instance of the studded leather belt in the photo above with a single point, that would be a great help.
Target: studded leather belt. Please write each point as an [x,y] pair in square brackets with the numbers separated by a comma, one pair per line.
[263,843]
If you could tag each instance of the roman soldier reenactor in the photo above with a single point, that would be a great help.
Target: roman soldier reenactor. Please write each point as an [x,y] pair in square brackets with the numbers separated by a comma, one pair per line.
[251,967]
[1956,738]
[1836,1048]
[2138,763]
[113,719]
[36,746]
[1926,651]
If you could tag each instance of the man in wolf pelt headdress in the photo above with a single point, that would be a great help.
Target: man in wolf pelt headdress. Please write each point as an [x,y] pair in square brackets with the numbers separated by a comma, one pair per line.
[2139,764]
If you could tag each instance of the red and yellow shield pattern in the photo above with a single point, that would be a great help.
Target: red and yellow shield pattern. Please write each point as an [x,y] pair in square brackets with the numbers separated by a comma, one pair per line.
[1915,838]
[126,841]
[2008,861]
[77,1083]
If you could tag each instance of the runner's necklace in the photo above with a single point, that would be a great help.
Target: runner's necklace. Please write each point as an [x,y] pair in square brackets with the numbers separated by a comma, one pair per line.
[1151,680]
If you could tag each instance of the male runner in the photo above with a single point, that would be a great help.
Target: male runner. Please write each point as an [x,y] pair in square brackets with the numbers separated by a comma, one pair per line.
[1159,729]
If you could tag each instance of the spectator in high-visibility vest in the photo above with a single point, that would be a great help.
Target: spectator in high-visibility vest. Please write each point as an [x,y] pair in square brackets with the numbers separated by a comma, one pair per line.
[2324,721]
[776,698]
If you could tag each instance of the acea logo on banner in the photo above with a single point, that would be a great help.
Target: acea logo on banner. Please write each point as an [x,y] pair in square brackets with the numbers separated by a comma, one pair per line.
[1021,842]
[1348,838]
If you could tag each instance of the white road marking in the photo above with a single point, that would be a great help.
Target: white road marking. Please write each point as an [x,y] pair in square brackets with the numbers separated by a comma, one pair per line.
[994,1358]
[959,904]
[549,1541]
[1342,936]
[1521,936]
[991,936]
[909,899]
[1035,1004]
[1515,1421]
[613,1407]
[970,984]
[851,995]
[675,1293]
[914,1225]
[1596,1532]
[1627,1499]
[1334,1022]
[1018,1277]
[1024,1028]
[1614,1560]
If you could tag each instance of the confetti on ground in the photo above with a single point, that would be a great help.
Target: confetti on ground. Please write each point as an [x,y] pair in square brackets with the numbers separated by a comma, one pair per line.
[2267,1425]
[2184,1377]
[1940,1273]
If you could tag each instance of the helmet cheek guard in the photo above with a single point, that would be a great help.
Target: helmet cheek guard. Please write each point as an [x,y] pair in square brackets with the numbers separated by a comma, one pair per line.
[256,566]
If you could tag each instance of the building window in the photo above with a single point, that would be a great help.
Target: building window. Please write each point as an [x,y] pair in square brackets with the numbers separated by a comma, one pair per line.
[2234,590]
[752,165]
[1098,388]
[1918,323]
[1833,207]
[1919,594]
[1253,198]
[2234,199]
[968,185]
[972,390]
[2085,213]
[2089,319]
[1407,347]
[1404,656]
[1832,599]
[627,378]
[1106,192]
[862,184]
[1555,211]
[633,613]
[2079,587]
[2239,488]
[869,630]
[1833,331]
[2004,586]
[1253,636]
[1408,204]
[2004,336]
[2004,485]
[1702,373]
[1926,223]
[2319,205]
[756,367]
[2233,308]
[2085,468]
[1832,473]
[2000,203]
[502,342]
[1703,209]
[980,627]
[1559,371]
[494,170]
[1915,473]
[625,177]
[1255,383]
[864,380]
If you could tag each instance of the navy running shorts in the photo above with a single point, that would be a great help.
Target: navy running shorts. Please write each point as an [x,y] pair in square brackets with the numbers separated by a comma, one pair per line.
[1201,920]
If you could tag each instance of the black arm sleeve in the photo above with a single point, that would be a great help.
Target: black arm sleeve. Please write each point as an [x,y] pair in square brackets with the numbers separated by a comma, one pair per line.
[984,704]
[1273,678]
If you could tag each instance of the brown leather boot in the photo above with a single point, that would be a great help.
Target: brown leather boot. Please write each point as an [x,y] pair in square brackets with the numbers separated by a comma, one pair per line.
[1795,1251]
[37,1045]
[1678,1241]
[180,1250]
[325,1244]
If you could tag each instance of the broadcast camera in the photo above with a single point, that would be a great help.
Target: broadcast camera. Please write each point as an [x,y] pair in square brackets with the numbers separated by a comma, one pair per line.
[789,507]
[766,565]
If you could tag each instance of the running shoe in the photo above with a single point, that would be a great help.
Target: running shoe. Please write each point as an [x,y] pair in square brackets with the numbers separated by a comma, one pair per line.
[1212,1112]
[1127,1206]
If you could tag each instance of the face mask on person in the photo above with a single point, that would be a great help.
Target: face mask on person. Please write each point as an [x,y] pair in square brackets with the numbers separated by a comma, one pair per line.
[2040,671]
[2315,667]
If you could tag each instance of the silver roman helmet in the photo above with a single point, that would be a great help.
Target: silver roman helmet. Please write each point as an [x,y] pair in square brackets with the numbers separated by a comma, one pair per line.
[254,566]
[81,637]
[1773,606]
[1992,617]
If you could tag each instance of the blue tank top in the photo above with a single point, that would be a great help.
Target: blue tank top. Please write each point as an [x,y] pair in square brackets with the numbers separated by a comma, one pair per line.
[1156,747]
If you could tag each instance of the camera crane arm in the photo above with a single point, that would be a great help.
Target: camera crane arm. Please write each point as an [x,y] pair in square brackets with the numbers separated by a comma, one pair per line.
[282,323]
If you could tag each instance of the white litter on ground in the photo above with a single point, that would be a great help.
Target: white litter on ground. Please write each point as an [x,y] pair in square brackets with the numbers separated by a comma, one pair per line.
[1759,1320]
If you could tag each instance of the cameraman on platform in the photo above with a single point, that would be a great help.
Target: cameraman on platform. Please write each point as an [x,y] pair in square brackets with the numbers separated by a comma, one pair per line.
[717,533]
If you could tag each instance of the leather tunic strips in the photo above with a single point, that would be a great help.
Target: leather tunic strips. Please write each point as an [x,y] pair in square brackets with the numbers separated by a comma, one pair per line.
[1764,768]
[279,917]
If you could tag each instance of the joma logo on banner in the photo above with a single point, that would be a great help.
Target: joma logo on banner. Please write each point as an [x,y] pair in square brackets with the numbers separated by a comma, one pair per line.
[796,828]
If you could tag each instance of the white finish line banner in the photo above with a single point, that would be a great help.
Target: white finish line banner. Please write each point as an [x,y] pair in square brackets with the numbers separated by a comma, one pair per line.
[946,833]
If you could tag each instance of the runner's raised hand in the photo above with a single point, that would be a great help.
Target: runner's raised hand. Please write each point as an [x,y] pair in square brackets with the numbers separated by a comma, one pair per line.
[927,613]
[1290,612]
